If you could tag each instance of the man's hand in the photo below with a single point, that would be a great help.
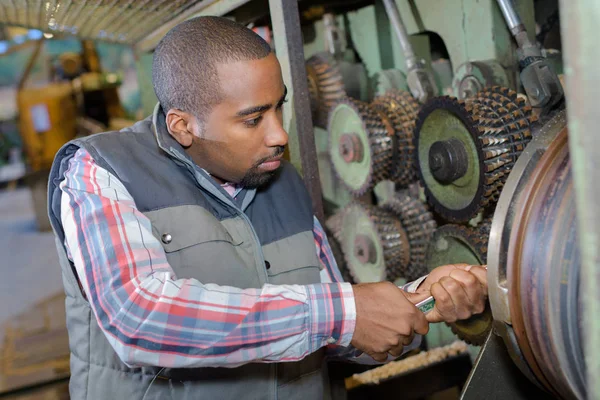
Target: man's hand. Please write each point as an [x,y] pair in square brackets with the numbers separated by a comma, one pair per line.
[459,290]
[386,320]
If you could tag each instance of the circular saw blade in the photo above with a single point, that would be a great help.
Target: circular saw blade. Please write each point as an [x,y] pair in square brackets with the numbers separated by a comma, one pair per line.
[401,109]
[419,225]
[325,86]
[360,145]
[454,244]
[373,242]
[493,128]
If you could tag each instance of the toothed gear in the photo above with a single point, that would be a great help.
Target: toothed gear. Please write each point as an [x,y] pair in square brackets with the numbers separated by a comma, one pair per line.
[419,225]
[455,244]
[360,145]
[325,86]
[373,242]
[465,149]
[401,109]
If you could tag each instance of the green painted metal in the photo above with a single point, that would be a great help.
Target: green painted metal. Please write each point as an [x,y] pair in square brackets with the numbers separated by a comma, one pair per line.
[344,120]
[387,79]
[579,24]
[333,189]
[471,77]
[358,222]
[442,125]
[472,30]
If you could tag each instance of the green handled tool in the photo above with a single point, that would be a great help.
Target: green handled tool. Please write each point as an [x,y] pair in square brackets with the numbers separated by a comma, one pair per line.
[426,305]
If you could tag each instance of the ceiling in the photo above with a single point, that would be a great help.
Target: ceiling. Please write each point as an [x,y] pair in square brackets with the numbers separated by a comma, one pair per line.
[121,21]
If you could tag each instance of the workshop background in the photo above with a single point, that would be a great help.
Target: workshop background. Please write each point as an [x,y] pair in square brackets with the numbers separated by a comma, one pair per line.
[428,132]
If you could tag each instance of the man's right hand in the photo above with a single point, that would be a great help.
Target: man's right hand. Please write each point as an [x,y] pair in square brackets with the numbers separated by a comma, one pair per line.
[386,320]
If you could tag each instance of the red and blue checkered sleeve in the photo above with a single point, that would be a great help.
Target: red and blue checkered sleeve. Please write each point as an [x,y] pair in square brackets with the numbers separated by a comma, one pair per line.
[152,317]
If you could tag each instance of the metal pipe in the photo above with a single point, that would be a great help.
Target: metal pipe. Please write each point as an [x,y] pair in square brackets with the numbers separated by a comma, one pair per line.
[394,15]
[510,14]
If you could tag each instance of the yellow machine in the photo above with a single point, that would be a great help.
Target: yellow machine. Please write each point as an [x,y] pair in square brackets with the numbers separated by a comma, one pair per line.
[82,100]
[47,120]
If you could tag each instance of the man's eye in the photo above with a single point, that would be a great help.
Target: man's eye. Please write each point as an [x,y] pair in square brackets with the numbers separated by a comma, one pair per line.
[251,123]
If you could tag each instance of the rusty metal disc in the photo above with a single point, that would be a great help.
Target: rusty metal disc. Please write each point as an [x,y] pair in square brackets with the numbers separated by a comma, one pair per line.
[534,264]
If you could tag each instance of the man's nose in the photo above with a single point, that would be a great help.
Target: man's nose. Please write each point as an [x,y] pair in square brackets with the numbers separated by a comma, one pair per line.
[276,136]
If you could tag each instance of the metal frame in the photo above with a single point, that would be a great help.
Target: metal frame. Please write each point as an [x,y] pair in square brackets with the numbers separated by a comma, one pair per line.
[579,24]
[285,19]
[203,7]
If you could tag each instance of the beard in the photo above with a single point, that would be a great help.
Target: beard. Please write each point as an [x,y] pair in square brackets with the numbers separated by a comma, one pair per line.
[255,178]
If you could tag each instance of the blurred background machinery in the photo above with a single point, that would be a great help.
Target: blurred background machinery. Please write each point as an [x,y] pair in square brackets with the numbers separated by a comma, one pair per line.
[428,132]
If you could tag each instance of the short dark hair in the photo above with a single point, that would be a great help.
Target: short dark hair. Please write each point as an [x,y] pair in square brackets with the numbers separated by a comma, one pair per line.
[184,67]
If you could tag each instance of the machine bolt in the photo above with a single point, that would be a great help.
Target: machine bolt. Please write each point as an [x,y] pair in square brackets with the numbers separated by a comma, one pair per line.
[448,160]
[351,148]
[364,249]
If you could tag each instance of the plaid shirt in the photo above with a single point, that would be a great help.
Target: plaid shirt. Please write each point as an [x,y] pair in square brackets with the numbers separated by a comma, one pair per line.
[152,317]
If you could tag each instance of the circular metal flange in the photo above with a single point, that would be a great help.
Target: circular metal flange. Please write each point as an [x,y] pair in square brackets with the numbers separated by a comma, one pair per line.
[351,148]
[373,242]
[360,145]
[533,265]
[443,119]
[466,149]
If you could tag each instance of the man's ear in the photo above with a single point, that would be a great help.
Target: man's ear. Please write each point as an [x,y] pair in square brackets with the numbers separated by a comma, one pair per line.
[180,126]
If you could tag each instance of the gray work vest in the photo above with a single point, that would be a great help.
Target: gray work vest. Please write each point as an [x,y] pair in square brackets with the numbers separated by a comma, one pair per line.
[212,238]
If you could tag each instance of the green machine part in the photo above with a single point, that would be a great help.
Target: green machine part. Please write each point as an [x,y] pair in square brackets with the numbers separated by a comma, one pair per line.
[457,244]
[474,32]
[466,149]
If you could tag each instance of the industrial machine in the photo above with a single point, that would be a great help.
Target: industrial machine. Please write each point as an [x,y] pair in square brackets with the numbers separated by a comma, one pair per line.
[79,99]
[472,169]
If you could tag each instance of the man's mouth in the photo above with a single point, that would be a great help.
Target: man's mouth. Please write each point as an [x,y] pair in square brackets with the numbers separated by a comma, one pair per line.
[271,164]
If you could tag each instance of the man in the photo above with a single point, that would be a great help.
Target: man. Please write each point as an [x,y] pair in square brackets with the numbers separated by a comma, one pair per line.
[192,263]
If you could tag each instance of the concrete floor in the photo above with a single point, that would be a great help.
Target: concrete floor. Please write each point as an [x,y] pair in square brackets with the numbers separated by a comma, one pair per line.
[28,260]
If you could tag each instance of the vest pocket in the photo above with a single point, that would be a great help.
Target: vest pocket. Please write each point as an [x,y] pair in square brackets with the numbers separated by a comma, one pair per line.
[185,226]
[293,260]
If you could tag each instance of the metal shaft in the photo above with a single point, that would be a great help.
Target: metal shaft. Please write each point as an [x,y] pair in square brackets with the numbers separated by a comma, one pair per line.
[516,26]
[510,14]
[394,15]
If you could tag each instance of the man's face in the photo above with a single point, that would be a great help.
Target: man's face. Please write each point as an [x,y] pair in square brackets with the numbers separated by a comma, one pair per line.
[242,138]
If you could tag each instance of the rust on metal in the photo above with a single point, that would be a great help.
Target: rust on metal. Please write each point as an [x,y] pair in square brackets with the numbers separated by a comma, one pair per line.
[351,148]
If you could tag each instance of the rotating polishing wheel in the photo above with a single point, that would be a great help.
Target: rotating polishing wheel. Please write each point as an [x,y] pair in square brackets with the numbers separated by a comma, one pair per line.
[466,149]
[360,145]
[534,266]
[373,242]
[401,109]
[325,86]
[419,225]
[457,244]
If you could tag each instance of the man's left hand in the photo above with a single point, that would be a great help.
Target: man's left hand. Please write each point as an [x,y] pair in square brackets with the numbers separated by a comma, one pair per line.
[459,290]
